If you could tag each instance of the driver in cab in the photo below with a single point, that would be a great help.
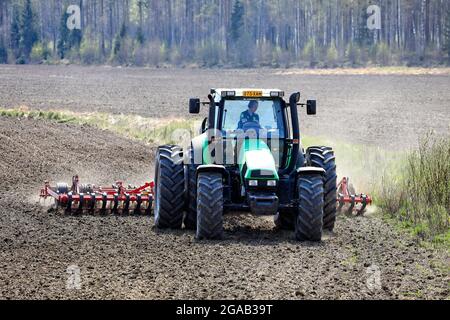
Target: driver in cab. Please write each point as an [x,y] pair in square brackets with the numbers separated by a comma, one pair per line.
[250,115]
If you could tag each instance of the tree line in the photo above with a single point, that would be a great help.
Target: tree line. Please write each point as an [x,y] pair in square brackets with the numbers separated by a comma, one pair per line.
[240,33]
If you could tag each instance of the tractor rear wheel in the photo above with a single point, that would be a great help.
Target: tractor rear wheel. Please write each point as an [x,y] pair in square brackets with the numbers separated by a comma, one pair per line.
[209,206]
[323,157]
[169,190]
[309,222]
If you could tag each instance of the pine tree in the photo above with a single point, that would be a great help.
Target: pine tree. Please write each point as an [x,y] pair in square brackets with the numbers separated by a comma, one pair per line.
[446,45]
[120,46]
[15,32]
[28,33]
[63,39]
[3,51]
[237,21]
[363,36]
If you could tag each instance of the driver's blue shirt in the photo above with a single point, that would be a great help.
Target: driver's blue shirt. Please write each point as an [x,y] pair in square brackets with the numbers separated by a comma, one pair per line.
[246,116]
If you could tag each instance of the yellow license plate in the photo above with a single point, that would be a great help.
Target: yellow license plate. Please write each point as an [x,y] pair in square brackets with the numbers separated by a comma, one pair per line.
[253,94]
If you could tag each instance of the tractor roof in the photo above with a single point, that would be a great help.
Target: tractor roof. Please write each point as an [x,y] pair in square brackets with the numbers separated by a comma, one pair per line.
[246,93]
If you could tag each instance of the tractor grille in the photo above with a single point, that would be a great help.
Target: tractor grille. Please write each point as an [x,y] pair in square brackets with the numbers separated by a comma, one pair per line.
[267,174]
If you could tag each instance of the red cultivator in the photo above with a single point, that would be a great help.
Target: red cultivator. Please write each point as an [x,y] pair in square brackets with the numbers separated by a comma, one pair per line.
[86,198]
[348,196]
[83,198]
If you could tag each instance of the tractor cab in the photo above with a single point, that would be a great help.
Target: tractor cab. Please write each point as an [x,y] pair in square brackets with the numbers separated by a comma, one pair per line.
[247,119]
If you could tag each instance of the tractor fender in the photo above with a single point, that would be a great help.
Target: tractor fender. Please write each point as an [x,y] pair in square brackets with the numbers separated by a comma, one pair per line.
[306,170]
[212,168]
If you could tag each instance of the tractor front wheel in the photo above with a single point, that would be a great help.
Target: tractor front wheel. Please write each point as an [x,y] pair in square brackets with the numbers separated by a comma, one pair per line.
[209,206]
[309,222]
[169,190]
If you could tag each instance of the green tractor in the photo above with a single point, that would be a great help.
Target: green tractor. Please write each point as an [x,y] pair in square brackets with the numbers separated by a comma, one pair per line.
[247,158]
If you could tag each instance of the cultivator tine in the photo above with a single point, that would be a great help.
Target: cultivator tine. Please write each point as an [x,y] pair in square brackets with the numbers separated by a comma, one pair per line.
[148,211]
[104,204]
[126,208]
[68,210]
[92,204]
[137,209]
[115,209]
[352,204]
[364,205]
[341,202]
[80,205]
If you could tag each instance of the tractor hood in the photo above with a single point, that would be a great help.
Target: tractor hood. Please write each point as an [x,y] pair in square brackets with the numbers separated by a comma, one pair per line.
[257,160]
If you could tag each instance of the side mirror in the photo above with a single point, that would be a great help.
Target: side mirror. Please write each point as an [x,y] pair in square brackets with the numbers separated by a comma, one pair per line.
[311,107]
[194,106]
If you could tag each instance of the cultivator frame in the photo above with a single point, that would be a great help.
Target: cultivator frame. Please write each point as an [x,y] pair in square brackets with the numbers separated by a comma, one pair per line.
[346,196]
[116,199]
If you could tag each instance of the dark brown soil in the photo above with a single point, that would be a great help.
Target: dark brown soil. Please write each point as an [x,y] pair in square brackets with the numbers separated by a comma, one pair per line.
[124,257]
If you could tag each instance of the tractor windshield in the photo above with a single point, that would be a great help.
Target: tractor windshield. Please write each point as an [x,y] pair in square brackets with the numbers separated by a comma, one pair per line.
[240,114]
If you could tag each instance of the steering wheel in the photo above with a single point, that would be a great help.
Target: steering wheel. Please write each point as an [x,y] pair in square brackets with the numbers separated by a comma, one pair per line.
[251,125]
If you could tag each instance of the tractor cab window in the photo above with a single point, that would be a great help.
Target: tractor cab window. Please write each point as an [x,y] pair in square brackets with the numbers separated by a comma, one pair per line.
[243,114]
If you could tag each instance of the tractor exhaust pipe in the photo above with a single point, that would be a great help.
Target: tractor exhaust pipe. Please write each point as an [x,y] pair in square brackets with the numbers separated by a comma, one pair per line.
[293,101]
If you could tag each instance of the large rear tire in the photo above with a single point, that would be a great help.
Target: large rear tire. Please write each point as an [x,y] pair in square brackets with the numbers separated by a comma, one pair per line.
[209,206]
[323,157]
[169,190]
[309,222]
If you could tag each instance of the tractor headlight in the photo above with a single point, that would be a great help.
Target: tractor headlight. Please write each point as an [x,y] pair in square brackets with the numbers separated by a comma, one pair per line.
[271,183]
[253,183]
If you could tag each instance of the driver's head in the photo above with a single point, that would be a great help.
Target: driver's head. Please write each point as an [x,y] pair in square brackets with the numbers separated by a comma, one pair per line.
[253,106]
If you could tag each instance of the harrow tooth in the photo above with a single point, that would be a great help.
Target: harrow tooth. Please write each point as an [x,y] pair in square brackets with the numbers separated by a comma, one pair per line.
[126,208]
[364,205]
[137,209]
[104,204]
[68,210]
[352,204]
[80,204]
[115,209]
[92,204]
[148,210]
[341,202]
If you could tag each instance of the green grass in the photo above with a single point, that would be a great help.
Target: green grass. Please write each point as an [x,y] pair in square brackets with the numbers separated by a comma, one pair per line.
[418,195]
[157,131]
